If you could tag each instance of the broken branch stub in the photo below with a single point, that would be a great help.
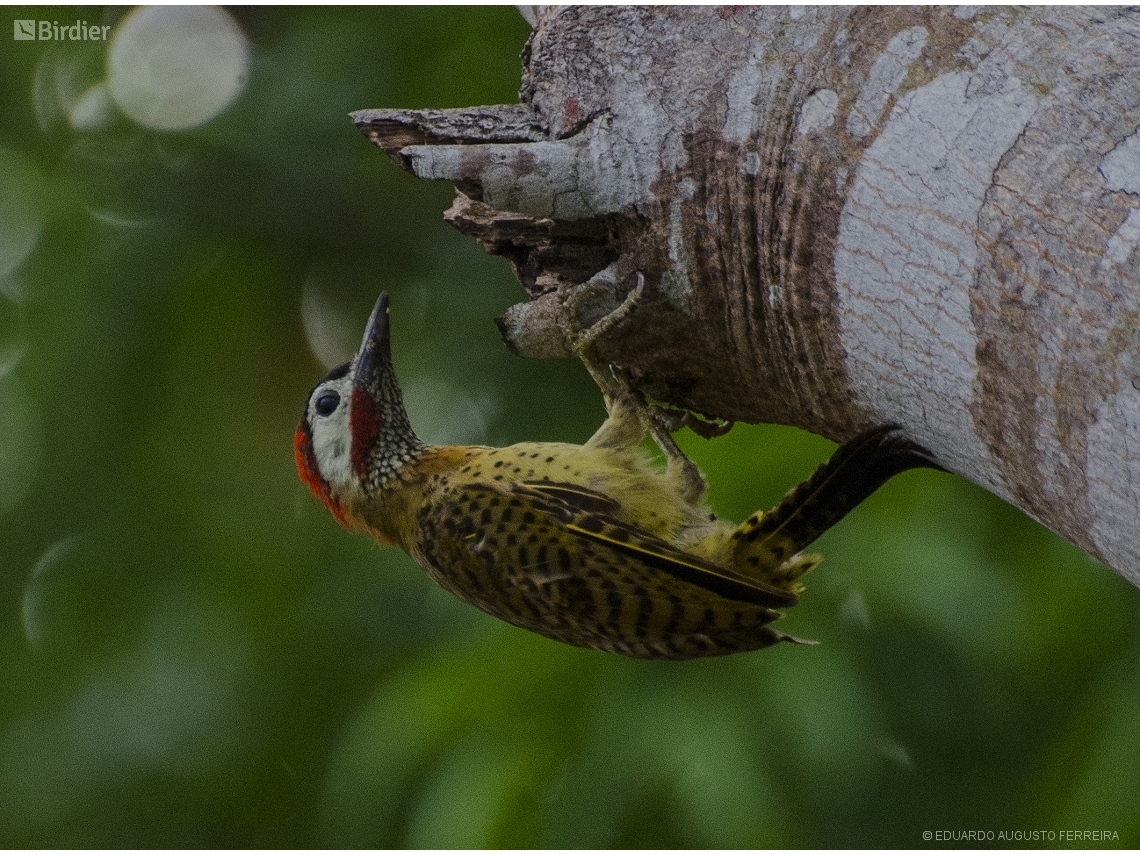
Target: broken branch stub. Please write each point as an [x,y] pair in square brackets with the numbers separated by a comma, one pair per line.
[844,217]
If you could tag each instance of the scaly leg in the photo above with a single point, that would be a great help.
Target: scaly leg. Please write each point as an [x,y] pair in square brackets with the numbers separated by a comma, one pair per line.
[584,342]
[630,416]
[690,480]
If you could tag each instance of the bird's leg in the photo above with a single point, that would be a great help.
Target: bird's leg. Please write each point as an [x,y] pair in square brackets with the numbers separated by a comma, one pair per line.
[689,477]
[584,342]
[624,426]
[631,417]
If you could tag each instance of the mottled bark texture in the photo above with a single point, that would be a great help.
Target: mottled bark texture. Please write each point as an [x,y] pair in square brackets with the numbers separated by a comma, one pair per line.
[844,217]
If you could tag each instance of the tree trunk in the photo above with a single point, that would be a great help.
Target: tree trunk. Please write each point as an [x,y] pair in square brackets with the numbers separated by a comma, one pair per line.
[844,217]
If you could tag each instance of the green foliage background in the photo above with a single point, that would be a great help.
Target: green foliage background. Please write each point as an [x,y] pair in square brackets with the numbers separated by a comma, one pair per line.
[195,655]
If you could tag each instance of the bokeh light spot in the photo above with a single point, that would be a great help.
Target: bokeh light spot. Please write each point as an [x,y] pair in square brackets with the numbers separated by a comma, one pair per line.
[66,74]
[332,333]
[176,67]
[21,211]
[22,445]
[93,110]
[34,604]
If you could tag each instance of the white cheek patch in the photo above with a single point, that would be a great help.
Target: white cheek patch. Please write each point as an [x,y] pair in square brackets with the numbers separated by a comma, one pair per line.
[331,444]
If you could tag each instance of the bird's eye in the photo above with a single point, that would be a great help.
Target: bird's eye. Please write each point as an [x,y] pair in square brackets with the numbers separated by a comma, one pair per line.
[326,403]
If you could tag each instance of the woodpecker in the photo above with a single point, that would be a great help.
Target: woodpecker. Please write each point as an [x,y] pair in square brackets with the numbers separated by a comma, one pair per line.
[593,545]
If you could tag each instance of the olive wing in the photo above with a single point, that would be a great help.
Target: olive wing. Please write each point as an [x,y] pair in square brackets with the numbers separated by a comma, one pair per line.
[552,558]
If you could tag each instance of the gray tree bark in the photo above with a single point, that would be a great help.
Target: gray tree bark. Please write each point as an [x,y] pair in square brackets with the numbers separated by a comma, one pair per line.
[844,217]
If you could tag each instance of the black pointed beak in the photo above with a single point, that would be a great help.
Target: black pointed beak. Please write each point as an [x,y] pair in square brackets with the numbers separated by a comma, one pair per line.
[376,349]
[382,436]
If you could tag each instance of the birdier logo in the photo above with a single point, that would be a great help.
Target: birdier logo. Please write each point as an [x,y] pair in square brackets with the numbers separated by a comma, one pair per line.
[25,30]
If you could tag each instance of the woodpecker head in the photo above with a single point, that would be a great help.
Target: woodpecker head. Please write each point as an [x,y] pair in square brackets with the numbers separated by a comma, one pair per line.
[355,434]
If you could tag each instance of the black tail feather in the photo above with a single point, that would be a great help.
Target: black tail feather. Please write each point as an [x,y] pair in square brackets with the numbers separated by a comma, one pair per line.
[856,470]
